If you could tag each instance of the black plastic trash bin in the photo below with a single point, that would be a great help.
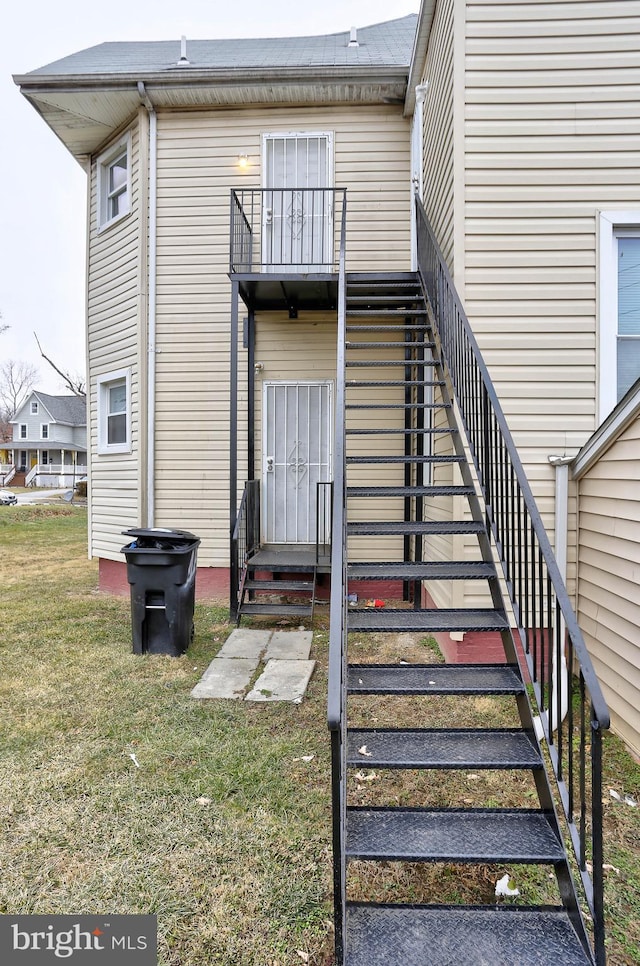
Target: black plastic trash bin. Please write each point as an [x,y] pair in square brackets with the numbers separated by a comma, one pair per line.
[161,569]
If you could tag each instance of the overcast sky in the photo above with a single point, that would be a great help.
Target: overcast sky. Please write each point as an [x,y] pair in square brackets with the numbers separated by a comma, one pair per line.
[42,216]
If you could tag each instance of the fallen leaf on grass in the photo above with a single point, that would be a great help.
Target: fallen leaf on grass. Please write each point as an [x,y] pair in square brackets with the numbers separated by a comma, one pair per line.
[361,777]
[203,800]
[628,800]
[305,758]
[303,956]
[473,778]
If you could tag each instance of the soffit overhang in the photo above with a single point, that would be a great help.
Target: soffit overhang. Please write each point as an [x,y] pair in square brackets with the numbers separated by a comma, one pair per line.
[85,111]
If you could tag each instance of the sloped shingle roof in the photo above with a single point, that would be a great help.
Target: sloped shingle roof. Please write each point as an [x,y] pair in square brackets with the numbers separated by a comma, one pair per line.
[71,410]
[385,44]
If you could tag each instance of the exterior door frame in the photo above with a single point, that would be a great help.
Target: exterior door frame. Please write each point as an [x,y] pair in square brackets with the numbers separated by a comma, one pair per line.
[328,226]
[267,525]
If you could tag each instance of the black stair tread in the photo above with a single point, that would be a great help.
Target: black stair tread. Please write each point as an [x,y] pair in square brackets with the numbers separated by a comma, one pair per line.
[378,363]
[381,327]
[427,570]
[437,620]
[434,490]
[257,607]
[401,431]
[275,586]
[498,748]
[391,405]
[382,313]
[372,383]
[452,835]
[434,679]
[405,459]
[385,935]
[390,345]
[422,526]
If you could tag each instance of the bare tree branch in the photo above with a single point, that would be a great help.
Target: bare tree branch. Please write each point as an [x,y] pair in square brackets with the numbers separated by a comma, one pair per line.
[17,379]
[75,383]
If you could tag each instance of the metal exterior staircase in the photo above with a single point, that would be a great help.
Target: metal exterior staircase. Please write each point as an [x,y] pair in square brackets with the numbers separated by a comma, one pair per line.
[393,366]
[296,581]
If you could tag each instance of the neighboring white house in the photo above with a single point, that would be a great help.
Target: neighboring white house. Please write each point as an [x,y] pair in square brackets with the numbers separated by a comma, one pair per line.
[50,439]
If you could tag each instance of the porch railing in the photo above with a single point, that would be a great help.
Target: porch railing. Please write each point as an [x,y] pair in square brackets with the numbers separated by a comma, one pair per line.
[7,473]
[68,473]
[285,229]
[548,628]
[324,514]
[245,540]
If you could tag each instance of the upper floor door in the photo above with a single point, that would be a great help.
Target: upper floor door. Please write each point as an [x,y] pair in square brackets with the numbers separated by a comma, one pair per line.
[298,202]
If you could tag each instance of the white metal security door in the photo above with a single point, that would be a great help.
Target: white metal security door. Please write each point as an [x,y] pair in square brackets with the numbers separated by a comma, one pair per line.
[297,216]
[296,457]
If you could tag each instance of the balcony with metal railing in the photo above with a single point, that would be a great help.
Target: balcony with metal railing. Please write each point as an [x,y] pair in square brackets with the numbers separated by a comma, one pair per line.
[284,247]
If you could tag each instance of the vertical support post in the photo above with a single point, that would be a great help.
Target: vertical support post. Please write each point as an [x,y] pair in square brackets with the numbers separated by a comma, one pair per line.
[251,398]
[233,450]
[596,839]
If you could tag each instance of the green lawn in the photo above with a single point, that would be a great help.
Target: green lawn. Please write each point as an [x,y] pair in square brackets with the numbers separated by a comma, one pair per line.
[220,831]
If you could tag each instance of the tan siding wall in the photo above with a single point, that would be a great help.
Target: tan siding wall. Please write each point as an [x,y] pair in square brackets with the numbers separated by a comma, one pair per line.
[438,129]
[551,130]
[114,310]
[609,572]
[198,154]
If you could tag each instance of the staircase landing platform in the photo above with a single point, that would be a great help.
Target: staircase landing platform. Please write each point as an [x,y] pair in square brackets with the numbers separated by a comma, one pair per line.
[292,558]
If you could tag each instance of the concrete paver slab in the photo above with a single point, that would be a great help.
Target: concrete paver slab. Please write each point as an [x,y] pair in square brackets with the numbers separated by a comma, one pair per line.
[245,643]
[290,645]
[226,678]
[282,681]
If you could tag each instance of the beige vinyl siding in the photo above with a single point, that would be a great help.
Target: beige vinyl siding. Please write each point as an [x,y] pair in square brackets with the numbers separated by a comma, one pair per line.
[551,127]
[197,167]
[114,313]
[550,136]
[438,129]
[609,572]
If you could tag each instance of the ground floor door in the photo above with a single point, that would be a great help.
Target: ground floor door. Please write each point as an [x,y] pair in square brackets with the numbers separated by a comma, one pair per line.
[297,456]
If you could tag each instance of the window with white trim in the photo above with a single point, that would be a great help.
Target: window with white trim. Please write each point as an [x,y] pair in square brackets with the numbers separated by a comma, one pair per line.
[34,408]
[23,431]
[44,431]
[619,306]
[114,412]
[114,182]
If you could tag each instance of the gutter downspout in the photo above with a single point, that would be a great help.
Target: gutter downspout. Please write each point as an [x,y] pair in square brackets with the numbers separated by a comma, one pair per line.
[417,177]
[151,303]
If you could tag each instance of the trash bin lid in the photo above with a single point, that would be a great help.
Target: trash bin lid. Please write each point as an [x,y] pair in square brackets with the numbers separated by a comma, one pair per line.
[159,533]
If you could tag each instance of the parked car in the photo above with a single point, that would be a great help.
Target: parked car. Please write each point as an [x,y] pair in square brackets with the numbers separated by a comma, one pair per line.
[7,498]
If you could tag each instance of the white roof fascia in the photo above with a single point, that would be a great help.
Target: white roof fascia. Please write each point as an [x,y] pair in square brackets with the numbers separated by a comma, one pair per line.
[418,57]
[608,432]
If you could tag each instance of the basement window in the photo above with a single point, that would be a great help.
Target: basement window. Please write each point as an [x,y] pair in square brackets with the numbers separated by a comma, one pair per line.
[114,183]
[114,412]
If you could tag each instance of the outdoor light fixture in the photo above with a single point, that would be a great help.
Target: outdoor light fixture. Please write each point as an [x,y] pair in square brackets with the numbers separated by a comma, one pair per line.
[243,160]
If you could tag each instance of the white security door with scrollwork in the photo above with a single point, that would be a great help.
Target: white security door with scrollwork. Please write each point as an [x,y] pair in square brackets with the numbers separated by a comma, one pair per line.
[296,457]
[297,215]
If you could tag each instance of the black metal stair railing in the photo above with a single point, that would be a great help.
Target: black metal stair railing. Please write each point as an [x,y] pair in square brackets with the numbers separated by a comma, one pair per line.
[245,540]
[547,625]
[336,697]
[284,229]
